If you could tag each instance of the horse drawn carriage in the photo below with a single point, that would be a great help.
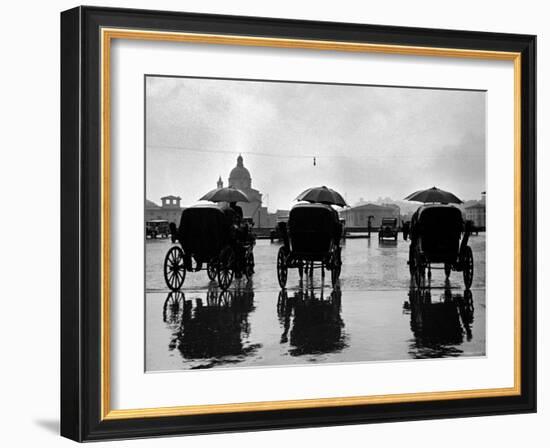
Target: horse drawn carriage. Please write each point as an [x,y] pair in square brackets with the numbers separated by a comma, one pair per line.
[311,240]
[439,235]
[208,237]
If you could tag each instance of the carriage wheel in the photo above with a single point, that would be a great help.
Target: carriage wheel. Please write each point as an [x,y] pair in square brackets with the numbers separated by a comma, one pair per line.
[212,296]
[468,307]
[226,267]
[336,267]
[225,298]
[249,264]
[468,267]
[282,269]
[419,270]
[419,275]
[447,270]
[212,269]
[411,260]
[174,268]
[282,302]
[172,306]
[301,270]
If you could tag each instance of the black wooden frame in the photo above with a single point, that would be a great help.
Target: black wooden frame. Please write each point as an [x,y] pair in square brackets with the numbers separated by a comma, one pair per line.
[81,223]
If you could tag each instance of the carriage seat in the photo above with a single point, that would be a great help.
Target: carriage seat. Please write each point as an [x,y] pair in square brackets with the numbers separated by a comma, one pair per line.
[313,228]
[437,228]
[203,231]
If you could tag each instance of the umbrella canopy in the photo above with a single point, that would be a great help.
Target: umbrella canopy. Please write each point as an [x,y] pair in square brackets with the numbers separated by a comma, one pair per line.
[322,195]
[226,194]
[433,195]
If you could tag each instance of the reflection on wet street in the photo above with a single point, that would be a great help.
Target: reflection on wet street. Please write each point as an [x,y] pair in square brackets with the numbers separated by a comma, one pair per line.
[213,328]
[314,324]
[375,314]
[442,325]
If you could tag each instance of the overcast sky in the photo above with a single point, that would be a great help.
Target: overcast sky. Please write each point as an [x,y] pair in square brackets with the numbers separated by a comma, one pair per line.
[368,142]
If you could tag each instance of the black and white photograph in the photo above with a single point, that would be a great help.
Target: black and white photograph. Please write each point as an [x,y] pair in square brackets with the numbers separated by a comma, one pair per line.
[287,221]
[297,223]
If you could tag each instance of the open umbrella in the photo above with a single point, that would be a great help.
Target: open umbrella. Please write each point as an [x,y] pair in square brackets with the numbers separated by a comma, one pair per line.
[322,195]
[433,195]
[226,194]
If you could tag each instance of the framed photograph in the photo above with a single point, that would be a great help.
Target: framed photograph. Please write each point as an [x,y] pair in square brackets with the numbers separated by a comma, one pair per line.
[273,223]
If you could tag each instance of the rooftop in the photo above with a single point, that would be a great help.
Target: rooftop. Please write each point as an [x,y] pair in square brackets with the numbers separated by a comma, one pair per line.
[476,205]
[171,197]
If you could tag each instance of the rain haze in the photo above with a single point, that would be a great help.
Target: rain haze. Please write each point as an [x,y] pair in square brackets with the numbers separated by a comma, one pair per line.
[366,142]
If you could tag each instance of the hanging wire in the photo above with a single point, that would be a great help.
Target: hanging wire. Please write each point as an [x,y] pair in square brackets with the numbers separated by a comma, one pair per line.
[359,154]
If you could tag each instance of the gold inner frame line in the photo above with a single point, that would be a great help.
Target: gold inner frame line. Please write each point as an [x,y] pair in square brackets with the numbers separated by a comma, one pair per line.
[107,35]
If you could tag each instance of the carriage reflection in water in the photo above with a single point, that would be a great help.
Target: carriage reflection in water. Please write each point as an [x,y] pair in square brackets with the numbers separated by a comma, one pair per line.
[439,325]
[208,240]
[311,240]
[211,332]
[312,322]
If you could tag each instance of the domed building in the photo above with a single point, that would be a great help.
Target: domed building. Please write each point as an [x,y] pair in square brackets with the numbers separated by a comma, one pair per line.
[240,178]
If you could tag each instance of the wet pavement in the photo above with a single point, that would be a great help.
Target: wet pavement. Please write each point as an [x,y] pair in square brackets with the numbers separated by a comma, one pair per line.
[373,315]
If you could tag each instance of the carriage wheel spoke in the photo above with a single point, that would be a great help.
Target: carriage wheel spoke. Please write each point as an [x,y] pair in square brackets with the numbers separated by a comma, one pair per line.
[174,272]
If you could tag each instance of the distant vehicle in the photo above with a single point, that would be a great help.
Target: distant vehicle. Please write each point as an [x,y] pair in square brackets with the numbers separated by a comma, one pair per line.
[157,227]
[388,229]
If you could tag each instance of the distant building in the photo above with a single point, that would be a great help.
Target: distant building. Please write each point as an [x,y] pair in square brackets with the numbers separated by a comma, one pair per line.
[282,215]
[476,212]
[169,211]
[358,216]
[240,178]
[406,217]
